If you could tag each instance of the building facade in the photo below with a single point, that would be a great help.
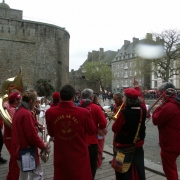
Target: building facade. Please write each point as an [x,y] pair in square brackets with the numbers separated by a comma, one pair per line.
[78,78]
[125,67]
[42,50]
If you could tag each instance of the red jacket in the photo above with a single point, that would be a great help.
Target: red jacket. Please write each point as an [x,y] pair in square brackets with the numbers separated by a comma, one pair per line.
[69,124]
[167,118]
[1,123]
[24,133]
[98,118]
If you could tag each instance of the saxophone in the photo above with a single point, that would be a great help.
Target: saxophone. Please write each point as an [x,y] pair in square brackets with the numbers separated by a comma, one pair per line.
[46,139]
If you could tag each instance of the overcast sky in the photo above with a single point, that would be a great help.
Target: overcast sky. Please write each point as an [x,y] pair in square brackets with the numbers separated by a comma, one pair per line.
[94,24]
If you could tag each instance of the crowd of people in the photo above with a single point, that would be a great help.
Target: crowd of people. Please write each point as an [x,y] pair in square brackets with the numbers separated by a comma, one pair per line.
[77,124]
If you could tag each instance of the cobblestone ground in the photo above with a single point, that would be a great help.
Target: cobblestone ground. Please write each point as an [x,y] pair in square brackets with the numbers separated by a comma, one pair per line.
[151,146]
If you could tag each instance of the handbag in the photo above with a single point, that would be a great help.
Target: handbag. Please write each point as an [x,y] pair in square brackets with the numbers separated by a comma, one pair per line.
[123,156]
[27,158]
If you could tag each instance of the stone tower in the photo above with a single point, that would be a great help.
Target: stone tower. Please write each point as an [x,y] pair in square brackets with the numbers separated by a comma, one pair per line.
[42,50]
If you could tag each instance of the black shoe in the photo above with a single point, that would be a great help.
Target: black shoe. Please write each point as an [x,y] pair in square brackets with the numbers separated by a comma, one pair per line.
[110,162]
[2,160]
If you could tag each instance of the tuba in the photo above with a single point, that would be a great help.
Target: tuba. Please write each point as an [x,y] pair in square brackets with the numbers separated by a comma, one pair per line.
[7,87]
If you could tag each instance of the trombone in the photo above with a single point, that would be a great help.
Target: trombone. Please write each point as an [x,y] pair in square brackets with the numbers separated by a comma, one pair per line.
[169,92]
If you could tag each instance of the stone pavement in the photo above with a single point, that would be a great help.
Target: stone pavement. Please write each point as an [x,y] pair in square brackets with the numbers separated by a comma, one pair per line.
[151,145]
[105,172]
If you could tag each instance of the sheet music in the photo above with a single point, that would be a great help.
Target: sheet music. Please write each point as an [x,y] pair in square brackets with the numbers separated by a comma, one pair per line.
[28,162]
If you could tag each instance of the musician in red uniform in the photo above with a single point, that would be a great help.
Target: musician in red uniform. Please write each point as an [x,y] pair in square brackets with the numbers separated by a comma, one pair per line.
[118,103]
[125,128]
[100,136]
[2,160]
[69,125]
[167,118]
[24,134]
[100,122]
[56,99]
[13,102]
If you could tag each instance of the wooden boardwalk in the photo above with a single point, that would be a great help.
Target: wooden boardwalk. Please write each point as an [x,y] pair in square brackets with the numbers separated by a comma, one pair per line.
[104,173]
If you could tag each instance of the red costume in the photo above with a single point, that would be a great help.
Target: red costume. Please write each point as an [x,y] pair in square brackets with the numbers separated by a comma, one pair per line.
[13,173]
[125,127]
[24,133]
[98,118]
[92,141]
[167,118]
[69,125]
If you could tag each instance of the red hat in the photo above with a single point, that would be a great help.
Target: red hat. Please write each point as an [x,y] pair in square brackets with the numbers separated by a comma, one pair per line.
[56,95]
[131,93]
[13,96]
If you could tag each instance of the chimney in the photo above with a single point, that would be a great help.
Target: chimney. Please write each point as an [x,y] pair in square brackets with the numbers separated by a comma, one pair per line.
[101,53]
[126,43]
[135,40]
[89,55]
[149,36]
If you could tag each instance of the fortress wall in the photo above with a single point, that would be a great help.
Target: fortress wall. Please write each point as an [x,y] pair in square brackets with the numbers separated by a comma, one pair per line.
[42,50]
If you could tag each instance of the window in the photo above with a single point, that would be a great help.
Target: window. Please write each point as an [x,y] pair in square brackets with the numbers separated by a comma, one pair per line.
[121,73]
[130,73]
[155,75]
[125,73]
[130,64]
[171,64]
[155,83]
[130,82]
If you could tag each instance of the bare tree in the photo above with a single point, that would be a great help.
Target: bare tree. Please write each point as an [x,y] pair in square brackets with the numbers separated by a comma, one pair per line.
[167,66]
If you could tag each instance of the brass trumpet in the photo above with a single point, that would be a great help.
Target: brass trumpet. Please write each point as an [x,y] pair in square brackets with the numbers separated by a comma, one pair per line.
[115,116]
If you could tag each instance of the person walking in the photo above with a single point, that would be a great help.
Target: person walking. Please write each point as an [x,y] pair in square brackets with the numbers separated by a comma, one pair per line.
[167,118]
[69,125]
[13,101]
[24,135]
[125,128]
[100,122]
